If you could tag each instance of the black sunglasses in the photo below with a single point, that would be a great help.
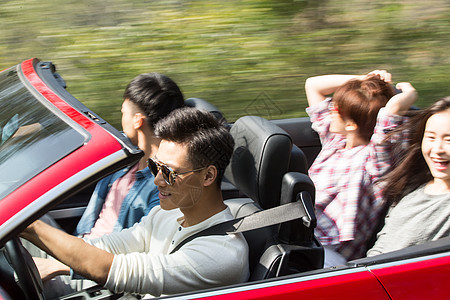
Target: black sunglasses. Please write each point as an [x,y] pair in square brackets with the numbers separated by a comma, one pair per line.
[168,173]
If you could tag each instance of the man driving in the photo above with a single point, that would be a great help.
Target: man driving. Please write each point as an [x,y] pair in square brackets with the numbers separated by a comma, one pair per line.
[188,167]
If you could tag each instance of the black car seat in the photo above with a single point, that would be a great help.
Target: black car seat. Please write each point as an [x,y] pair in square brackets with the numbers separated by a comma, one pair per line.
[261,157]
[260,167]
[297,162]
[205,105]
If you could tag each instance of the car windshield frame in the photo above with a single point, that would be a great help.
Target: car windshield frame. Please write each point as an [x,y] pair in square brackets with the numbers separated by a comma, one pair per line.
[33,135]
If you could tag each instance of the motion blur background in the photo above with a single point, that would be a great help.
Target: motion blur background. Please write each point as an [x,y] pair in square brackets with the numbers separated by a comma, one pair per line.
[248,57]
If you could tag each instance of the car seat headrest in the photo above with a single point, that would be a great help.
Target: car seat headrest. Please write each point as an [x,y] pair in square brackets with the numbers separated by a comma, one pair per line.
[260,158]
[202,104]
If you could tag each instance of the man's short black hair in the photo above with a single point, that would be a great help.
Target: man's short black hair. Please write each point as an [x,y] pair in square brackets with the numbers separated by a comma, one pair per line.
[155,94]
[208,141]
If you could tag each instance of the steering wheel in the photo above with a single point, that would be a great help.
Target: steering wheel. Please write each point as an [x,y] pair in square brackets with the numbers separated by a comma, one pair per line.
[27,273]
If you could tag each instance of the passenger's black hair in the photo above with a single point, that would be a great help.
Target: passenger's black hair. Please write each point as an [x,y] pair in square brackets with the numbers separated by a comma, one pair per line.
[155,94]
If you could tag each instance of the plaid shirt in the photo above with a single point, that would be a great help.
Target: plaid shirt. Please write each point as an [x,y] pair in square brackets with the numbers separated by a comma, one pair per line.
[348,200]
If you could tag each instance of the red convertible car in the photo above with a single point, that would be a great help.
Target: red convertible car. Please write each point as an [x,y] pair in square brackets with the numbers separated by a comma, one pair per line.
[53,150]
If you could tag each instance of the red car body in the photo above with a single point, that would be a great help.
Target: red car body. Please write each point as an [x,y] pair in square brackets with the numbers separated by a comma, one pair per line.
[418,272]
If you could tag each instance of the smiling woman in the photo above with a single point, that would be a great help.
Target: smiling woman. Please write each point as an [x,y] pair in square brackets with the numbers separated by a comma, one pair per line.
[436,151]
[419,187]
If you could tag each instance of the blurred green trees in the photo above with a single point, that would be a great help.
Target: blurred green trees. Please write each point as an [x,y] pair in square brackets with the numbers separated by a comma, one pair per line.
[246,57]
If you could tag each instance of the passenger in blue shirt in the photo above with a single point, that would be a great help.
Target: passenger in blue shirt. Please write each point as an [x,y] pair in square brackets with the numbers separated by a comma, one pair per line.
[123,198]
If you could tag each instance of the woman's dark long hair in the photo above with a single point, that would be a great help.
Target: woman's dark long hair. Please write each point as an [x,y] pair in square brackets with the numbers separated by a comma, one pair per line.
[410,171]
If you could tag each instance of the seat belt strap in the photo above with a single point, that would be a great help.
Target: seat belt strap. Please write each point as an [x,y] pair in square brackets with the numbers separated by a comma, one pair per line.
[276,215]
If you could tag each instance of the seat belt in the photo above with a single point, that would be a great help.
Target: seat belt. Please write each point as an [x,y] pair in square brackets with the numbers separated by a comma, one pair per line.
[264,218]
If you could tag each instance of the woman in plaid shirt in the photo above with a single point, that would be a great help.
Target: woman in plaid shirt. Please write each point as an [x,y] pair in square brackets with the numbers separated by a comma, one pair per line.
[352,127]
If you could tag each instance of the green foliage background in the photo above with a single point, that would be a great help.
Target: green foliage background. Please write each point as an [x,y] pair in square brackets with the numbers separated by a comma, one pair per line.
[246,57]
